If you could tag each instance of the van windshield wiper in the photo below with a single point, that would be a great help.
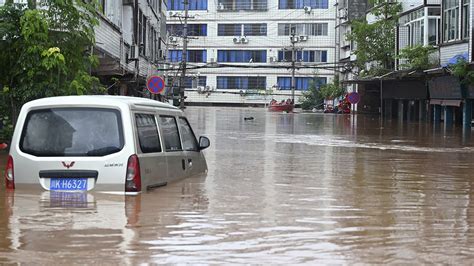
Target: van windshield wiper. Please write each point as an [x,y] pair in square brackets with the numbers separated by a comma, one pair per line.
[103,151]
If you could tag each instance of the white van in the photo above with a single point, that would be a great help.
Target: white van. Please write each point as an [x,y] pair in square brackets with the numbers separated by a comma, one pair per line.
[113,143]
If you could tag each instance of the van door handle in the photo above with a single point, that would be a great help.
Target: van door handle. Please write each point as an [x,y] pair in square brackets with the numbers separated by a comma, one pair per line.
[183,164]
[190,162]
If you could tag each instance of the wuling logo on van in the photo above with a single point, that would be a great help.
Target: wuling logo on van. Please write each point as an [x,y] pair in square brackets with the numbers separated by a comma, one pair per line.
[68,165]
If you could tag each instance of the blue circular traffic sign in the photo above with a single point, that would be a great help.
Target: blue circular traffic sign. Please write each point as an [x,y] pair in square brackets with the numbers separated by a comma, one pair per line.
[156,85]
[353,97]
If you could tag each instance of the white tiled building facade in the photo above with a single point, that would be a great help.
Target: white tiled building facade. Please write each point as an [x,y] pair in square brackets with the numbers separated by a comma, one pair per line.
[348,11]
[252,33]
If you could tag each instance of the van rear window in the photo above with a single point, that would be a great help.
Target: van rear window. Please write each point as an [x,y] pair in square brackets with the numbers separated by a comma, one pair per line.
[72,132]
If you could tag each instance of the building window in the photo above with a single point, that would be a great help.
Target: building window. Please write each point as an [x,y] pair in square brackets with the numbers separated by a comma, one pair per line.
[254,29]
[296,4]
[194,56]
[258,29]
[465,19]
[242,56]
[416,30]
[312,29]
[142,21]
[414,27]
[237,5]
[433,26]
[301,83]
[152,43]
[315,56]
[241,83]
[193,5]
[450,20]
[194,82]
[193,29]
[229,29]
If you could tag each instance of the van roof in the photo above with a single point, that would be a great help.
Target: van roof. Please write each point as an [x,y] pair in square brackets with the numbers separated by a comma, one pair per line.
[98,99]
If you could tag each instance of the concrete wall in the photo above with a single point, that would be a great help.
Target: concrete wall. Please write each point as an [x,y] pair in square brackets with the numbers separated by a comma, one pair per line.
[356,8]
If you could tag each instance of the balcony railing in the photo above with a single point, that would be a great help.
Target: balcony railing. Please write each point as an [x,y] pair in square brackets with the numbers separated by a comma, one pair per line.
[248,5]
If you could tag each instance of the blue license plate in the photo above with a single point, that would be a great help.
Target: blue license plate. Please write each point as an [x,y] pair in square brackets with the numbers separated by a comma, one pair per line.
[68,184]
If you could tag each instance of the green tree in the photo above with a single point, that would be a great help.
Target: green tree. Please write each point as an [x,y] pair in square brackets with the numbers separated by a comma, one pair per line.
[375,42]
[332,90]
[463,71]
[417,57]
[311,98]
[45,51]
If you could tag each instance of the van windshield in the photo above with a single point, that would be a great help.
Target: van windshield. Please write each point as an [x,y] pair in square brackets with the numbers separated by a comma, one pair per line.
[72,132]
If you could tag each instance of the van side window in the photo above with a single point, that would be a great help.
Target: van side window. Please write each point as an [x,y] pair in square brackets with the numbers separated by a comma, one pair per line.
[189,140]
[147,133]
[170,133]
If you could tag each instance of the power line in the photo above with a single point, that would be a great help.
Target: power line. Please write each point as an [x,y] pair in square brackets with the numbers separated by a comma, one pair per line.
[325,65]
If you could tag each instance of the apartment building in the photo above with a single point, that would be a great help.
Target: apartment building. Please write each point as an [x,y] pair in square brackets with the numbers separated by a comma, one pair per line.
[241,50]
[348,11]
[130,44]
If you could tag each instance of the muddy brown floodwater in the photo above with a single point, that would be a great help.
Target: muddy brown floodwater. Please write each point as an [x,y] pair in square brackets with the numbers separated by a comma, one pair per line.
[281,188]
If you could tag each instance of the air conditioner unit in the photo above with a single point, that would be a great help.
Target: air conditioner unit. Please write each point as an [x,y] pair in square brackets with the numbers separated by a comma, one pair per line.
[173,39]
[133,56]
[212,60]
[171,14]
[343,13]
[304,38]
[307,9]
[272,59]
[220,7]
[244,40]
[200,88]
[295,39]
[236,40]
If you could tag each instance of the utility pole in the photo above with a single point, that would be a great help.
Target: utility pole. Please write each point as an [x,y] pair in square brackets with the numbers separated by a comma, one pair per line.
[184,55]
[294,40]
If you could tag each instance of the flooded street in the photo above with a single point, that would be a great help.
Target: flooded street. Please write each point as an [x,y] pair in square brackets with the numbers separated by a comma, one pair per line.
[281,188]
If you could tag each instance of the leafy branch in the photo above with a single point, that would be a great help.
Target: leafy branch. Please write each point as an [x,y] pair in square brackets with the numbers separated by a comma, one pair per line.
[375,41]
[417,57]
[462,70]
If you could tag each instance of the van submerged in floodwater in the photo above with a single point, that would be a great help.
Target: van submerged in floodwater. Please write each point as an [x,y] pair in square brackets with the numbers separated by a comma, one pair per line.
[112,143]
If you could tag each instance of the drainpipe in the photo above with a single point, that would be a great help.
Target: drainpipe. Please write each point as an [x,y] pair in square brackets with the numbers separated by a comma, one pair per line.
[136,42]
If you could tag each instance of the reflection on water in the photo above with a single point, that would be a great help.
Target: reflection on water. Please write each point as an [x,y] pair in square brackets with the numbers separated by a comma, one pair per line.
[56,199]
[285,188]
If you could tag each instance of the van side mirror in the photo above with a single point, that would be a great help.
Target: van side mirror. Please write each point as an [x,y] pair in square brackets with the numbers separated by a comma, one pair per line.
[203,142]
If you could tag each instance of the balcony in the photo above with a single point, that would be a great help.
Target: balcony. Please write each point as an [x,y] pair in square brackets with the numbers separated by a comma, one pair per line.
[247,5]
